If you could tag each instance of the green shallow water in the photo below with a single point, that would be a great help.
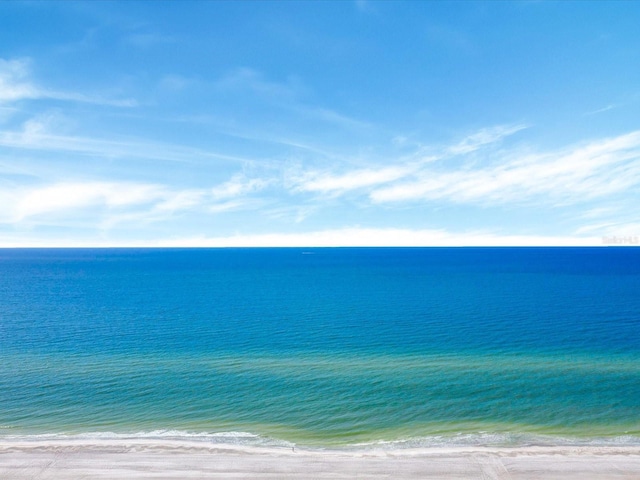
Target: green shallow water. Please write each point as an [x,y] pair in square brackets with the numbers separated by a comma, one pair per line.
[326,399]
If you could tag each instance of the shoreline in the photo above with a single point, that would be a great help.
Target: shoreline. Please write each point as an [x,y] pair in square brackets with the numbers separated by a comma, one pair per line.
[176,459]
[178,445]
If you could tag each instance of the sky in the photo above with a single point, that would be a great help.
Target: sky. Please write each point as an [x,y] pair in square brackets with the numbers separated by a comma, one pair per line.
[337,123]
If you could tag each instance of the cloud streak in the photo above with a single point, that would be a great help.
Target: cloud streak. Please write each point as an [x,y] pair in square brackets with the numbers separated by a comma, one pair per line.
[16,85]
[484,137]
[35,136]
[325,182]
[285,96]
[598,169]
[111,202]
[238,185]
[59,201]
[336,184]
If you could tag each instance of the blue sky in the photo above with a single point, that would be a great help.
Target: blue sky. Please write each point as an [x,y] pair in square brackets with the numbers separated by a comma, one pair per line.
[318,123]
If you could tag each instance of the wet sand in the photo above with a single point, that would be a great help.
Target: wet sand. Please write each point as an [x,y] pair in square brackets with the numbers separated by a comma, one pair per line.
[141,459]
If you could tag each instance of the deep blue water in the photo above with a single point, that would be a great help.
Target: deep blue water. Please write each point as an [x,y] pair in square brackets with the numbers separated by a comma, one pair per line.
[323,346]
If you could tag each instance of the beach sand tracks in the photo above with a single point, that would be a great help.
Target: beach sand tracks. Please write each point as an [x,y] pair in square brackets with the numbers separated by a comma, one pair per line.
[492,467]
[120,462]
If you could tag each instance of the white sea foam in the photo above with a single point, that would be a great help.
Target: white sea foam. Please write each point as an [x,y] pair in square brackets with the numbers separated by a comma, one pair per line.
[215,438]
[251,440]
[486,439]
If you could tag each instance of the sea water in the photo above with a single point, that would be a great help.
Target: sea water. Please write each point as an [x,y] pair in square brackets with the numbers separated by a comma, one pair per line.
[325,348]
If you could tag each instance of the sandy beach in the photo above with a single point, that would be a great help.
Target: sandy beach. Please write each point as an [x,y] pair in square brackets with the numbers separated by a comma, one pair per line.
[74,460]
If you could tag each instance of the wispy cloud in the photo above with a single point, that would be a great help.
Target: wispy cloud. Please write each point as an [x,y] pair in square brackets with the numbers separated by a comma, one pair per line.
[598,169]
[613,218]
[595,228]
[16,84]
[600,212]
[612,229]
[238,185]
[226,206]
[108,203]
[65,197]
[167,204]
[288,95]
[248,79]
[611,106]
[256,135]
[238,193]
[331,116]
[325,182]
[55,202]
[291,213]
[408,169]
[37,134]
[484,137]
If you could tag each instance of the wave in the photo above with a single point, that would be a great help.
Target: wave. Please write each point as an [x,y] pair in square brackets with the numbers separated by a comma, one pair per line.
[506,439]
[216,438]
[252,440]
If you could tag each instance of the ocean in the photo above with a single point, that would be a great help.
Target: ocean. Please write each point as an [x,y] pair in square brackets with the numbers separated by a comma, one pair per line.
[343,348]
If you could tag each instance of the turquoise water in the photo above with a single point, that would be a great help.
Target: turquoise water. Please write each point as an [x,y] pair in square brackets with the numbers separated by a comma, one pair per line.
[323,347]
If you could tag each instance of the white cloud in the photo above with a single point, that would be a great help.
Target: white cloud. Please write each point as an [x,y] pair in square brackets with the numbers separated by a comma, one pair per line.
[238,186]
[95,202]
[331,116]
[247,79]
[158,209]
[330,182]
[65,197]
[36,135]
[16,84]
[285,95]
[599,212]
[611,106]
[595,170]
[291,213]
[611,228]
[325,182]
[237,194]
[345,237]
[180,200]
[104,204]
[483,137]
[235,205]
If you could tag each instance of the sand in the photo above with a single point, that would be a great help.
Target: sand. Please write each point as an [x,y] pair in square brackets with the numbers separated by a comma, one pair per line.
[138,459]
